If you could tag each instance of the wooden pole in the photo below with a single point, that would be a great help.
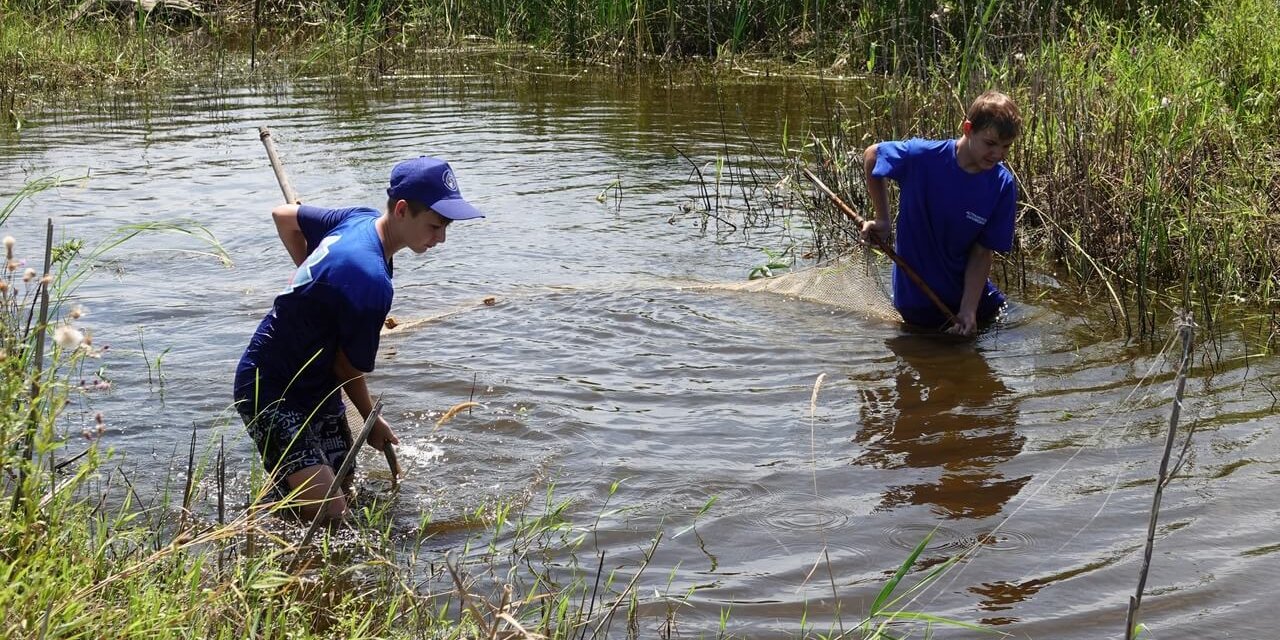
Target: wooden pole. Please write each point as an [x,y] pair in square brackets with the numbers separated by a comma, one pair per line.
[885,248]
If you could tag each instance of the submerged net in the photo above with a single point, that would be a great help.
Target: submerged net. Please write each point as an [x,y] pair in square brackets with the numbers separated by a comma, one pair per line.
[859,283]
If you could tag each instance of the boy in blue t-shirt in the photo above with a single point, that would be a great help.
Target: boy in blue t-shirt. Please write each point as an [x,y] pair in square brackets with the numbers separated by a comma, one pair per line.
[322,331]
[956,209]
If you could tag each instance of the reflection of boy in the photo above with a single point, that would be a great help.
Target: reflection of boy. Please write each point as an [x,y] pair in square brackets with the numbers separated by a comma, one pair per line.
[322,332]
[956,208]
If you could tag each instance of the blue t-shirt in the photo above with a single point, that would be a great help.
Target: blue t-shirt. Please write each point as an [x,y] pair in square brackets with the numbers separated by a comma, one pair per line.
[942,211]
[338,298]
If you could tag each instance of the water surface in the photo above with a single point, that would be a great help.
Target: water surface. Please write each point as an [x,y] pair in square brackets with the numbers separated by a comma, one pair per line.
[1034,448]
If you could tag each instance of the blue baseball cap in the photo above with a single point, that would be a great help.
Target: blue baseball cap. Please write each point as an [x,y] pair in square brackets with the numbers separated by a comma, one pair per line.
[430,181]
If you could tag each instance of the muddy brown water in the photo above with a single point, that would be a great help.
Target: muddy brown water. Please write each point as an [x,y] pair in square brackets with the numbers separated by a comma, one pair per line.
[1033,449]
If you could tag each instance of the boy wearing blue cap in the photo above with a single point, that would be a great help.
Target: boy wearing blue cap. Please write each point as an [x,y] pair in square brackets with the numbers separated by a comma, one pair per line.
[322,332]
[956,208]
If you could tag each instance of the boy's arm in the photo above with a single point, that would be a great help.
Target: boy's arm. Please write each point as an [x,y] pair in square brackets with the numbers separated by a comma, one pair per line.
[286,219]
[976,271]
[882,224]
[357,389]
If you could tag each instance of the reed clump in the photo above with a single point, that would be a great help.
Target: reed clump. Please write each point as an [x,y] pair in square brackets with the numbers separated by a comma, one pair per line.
[1148,167]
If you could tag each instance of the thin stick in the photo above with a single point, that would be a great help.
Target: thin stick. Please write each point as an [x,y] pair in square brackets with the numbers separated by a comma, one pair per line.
[648,558]
[884,248]
[348,463]
[291,197]
[1186,330]
[187,488]
[42,329]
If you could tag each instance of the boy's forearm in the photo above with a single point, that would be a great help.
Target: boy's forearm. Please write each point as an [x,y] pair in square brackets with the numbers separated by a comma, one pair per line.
[876,190]
[976,272]
[353,383]
[285,217]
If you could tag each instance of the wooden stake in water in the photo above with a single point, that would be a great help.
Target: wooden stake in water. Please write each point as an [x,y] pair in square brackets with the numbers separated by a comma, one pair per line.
[348,463]
[37,367]
[1186,331]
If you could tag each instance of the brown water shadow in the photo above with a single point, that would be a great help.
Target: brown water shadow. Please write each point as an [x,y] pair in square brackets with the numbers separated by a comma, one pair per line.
[947,413]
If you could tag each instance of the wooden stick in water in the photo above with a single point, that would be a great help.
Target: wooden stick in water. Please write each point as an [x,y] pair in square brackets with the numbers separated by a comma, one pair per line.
[884,248]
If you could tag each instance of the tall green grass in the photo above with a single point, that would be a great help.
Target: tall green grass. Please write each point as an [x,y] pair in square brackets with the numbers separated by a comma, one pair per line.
[1148,164]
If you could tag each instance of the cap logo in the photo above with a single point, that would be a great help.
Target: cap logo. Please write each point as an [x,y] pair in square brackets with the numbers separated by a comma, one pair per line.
[449,180]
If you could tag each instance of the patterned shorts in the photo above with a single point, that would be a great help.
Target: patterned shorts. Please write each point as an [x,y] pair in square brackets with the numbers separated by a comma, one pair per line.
[289,443]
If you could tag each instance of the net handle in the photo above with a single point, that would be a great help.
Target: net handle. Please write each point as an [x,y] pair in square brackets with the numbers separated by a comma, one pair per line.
[884,248]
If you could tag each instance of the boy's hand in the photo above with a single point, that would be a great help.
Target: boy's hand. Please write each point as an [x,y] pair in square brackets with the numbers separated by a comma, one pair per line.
[877,229]
[966,325]
[381,435]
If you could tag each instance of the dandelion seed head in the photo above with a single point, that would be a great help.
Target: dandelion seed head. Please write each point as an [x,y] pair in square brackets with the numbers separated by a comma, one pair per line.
[68,337]
[8,247]
[46,279]
[29,275]
[78,312]
[13,265]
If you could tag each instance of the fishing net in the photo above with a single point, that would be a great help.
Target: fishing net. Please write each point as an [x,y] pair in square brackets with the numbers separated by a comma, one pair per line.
[860,284]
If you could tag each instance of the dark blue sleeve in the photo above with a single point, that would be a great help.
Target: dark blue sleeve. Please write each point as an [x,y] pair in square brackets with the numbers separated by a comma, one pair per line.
[893,159]
[997,234]
[317,222]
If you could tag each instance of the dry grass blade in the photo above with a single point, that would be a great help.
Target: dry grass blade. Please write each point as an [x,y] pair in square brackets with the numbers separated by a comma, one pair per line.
[453,411]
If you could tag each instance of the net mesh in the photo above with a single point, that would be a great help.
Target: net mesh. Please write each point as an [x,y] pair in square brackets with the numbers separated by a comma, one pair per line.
[860,283]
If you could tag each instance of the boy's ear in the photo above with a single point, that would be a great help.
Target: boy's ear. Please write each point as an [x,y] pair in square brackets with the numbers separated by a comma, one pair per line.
[966,127]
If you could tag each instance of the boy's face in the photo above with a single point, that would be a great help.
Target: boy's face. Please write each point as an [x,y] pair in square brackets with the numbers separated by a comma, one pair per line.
[986,148]
[424,230]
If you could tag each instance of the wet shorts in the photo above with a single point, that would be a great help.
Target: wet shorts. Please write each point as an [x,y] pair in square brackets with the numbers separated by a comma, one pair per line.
[289,443]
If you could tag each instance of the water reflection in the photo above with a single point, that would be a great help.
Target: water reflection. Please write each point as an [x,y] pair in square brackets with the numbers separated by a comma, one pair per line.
[950,416]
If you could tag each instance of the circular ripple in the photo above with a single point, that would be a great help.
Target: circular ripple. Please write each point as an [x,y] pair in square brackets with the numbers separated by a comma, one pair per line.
[1002,540]
[792,512]
[908,536]
[817,549]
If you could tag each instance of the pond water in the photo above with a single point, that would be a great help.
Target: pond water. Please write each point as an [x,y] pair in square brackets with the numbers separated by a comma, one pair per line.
[1034,449]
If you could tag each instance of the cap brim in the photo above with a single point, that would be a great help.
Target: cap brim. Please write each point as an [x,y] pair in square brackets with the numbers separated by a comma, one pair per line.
[456,209]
